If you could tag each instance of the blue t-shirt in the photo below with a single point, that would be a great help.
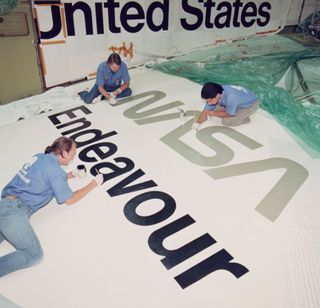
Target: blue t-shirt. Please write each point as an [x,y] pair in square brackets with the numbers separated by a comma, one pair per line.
[105,76]
[232,98]
[38,181]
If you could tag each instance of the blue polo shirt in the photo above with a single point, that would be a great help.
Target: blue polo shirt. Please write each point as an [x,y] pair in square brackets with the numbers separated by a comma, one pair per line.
[38,181]
[105,76]
[234,97]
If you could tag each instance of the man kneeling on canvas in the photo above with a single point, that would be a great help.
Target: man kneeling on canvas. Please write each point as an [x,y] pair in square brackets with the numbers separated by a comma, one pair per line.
[234,104]
[112,81]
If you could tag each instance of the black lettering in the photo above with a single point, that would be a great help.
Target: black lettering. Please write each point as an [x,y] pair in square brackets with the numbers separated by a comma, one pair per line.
[84,121]
[223,20]
[125,16]
[167,210]
[97,135]
[69,113]
[111,5]
[116,170]
[194,11]
[164,24]
[249,10]
[174,257]
[56,24]
[99,18]
[218,261]
[208,5]
[69,11]
[97,149]
[237,5]
[263,11]
[122,188]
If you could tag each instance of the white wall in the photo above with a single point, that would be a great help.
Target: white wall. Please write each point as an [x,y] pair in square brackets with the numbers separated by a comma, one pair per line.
[75,36]
[298,6]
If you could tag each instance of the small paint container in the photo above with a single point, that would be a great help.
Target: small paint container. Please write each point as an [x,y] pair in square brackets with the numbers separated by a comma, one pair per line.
[81,171]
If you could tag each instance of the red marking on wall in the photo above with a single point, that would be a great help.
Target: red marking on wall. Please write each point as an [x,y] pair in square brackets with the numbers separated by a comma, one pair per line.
[266,32]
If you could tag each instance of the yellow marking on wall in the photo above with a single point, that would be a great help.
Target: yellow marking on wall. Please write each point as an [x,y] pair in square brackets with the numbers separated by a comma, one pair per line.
[49,4]
[53,42]
[43,65]
[126,52]
[35,15]
[220,41]
[63,19]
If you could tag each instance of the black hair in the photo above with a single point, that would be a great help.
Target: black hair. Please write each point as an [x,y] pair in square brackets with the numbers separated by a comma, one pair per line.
[59,145]
[114,58]
[210,90]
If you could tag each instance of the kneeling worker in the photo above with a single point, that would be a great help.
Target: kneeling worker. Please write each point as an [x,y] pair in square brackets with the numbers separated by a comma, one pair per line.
[234,104]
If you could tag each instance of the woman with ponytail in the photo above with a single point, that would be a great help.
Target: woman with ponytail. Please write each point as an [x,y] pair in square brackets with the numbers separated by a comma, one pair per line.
[33,187]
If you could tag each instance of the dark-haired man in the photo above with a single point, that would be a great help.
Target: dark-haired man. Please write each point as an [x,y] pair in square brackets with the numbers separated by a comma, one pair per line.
[112,81]
[234,104]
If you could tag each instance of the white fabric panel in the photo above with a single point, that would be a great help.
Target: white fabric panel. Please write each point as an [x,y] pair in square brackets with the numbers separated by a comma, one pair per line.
[96,257]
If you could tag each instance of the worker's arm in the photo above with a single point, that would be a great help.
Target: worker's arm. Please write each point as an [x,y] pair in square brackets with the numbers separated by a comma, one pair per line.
[80,193]
[103,92]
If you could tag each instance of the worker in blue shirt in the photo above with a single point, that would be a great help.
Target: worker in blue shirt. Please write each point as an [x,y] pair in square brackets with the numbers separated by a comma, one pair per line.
[112,81]
[234,104]
[35,184]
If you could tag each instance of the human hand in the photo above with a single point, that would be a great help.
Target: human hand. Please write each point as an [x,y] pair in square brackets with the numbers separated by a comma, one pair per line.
[99,179]
[195,126]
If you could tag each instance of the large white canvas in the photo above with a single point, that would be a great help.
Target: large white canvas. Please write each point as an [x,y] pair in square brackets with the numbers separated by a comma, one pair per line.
[96,257]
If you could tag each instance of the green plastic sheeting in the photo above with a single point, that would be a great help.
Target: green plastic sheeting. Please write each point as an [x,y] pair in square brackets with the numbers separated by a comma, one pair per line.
[282,72]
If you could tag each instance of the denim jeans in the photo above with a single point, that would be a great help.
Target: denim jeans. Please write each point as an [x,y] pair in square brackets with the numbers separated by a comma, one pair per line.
[16,229]
[88,97]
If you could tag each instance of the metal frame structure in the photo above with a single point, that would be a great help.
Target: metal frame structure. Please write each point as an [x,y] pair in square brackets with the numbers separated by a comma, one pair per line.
[314,27]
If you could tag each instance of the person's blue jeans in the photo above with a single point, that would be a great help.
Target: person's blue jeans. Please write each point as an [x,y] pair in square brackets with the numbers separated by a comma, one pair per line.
[17,230]
[88,97]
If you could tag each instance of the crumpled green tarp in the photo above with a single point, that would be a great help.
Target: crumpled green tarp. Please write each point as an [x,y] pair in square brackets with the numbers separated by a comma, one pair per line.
[282,72]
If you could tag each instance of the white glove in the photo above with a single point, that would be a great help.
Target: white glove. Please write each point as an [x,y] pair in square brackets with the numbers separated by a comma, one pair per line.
[99,178]
[112,101]
[195,126]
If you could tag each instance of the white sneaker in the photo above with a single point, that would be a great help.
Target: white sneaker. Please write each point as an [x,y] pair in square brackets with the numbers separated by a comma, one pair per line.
[97,99]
